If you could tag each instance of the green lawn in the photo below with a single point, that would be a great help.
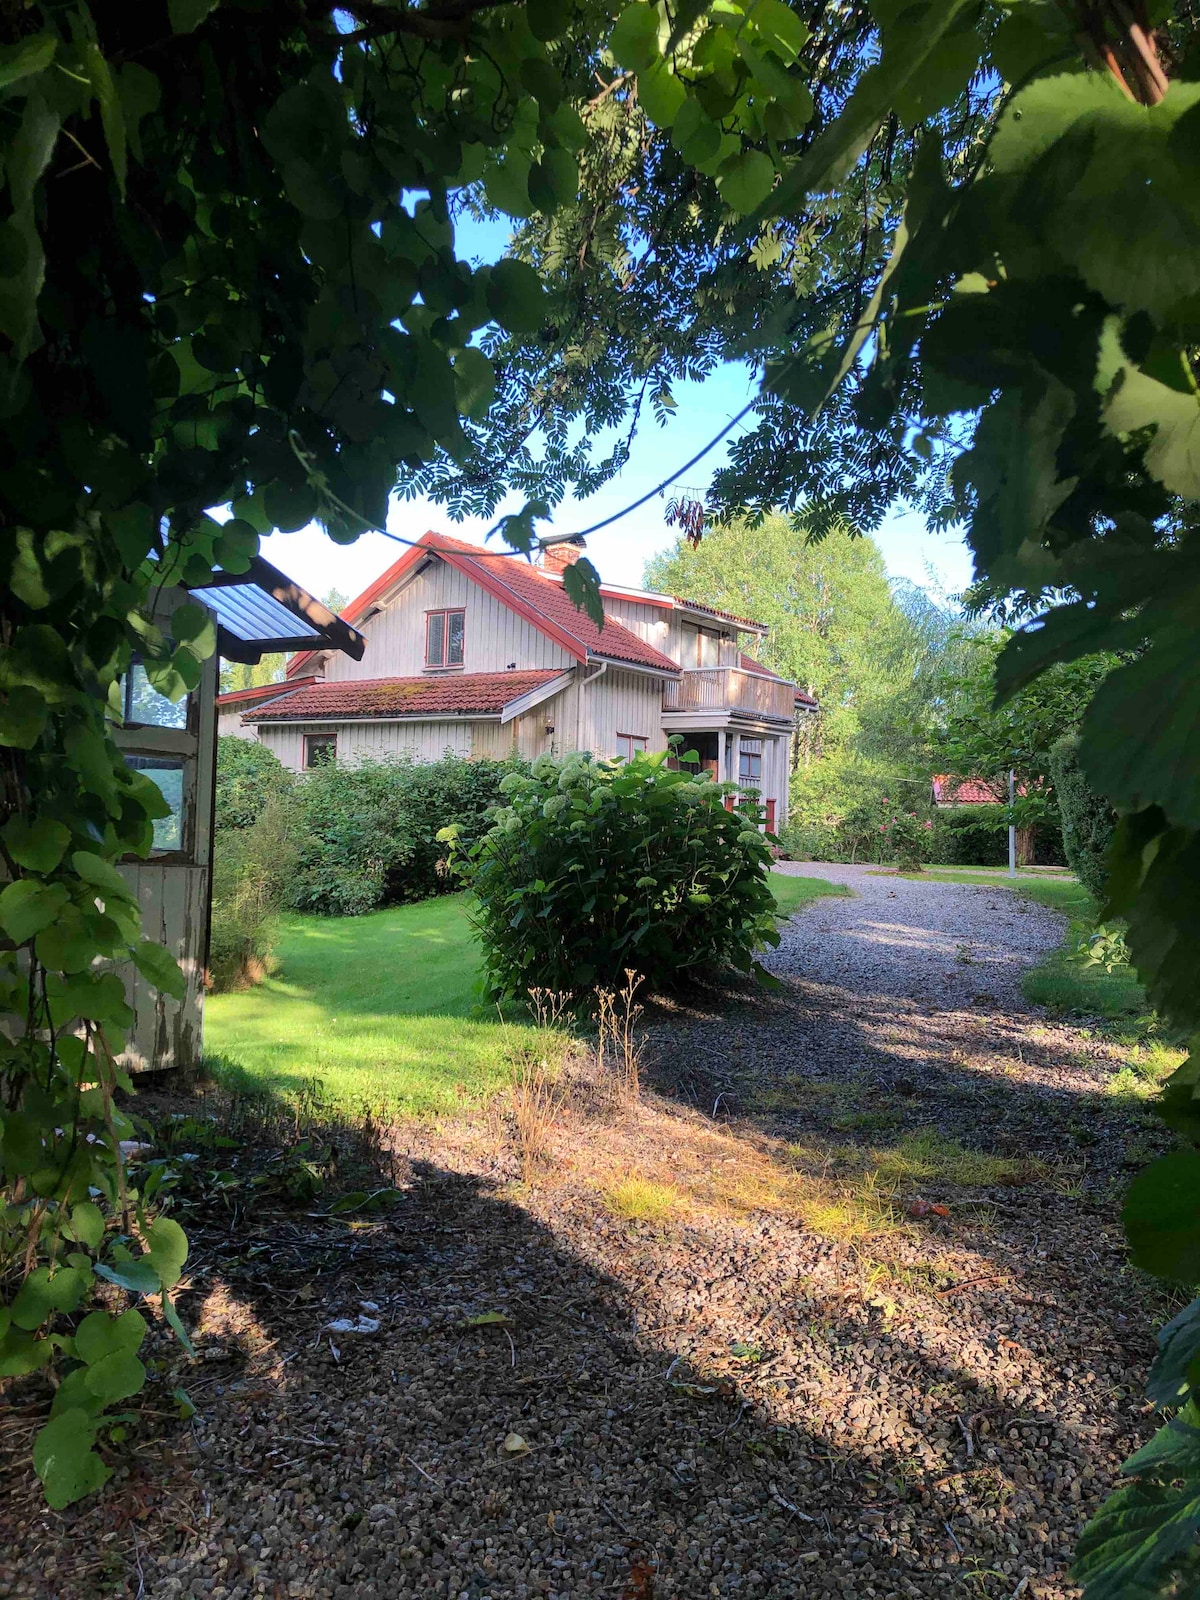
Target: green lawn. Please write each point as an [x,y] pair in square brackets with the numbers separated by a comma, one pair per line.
[793,892]
[382,1009]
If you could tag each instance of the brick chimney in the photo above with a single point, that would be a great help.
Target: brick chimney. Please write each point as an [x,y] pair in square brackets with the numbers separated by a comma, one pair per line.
[558,557]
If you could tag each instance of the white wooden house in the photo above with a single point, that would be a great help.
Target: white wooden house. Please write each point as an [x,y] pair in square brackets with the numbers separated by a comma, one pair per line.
[478,652]
[174,743]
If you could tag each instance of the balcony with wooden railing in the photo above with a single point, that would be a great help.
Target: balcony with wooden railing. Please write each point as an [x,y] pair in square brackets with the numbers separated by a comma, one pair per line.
[729,689]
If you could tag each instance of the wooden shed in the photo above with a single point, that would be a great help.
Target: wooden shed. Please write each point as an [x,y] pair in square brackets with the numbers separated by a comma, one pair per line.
[174,743]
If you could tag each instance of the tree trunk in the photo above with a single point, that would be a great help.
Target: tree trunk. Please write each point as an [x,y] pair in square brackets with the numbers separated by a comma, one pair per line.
[1026,839]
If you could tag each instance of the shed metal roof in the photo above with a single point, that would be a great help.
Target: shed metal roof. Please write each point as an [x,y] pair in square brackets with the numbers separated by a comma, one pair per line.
[262,610]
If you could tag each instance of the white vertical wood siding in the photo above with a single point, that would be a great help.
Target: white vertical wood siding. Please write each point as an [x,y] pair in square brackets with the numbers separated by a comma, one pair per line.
[230,722]
[621,702]
[653,624]
[493,636]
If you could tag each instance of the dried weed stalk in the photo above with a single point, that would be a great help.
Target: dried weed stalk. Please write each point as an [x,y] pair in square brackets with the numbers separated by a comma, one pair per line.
[619,1044]
[537,1099]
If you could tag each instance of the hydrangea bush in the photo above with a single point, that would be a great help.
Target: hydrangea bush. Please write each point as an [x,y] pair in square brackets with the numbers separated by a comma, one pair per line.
[593,868]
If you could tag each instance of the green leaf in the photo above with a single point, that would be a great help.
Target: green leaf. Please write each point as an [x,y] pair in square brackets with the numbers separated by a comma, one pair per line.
[506,184]
[25,57]
[515,296]
[1088,148]
[173,1318]
[101,875]
[289,507]
[1138,1539]
[661,94]
[581,585]
[23,717]
[112,116]
[187,15]
[159,967]
[87,1224]
[100,1334]
[1137,743]
[168,1250]
[745,180]
[554,181]
[64,1460]
[187,1408]
[116,1377]
[136,1276]
[195,626]
[27,906]
[1176,1368]
[38,845]
[44,1292]
[474,382]
[634,40]
[1162,1217]
[1170,420]
[778,25]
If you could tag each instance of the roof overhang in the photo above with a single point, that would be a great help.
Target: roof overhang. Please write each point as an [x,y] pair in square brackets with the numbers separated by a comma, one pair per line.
[535,697]
[261,610]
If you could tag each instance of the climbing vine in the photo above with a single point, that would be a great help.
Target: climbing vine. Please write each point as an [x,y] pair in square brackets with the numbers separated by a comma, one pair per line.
[227,279]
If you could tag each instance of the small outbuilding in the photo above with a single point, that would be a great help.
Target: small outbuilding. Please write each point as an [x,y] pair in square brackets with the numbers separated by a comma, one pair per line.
[174,743]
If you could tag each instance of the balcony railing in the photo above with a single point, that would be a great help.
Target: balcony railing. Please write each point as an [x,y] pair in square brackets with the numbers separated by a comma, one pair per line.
[729,689]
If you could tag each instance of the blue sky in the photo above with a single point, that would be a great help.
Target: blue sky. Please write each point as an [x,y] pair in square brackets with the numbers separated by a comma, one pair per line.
[620,552]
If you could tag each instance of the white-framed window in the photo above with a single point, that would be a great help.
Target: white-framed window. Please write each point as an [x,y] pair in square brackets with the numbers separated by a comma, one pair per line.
[445,634]
[320,750]
[628,745]
[750,763]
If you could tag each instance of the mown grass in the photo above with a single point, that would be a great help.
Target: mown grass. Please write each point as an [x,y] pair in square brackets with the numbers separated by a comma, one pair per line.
[383,1010]
[793,892]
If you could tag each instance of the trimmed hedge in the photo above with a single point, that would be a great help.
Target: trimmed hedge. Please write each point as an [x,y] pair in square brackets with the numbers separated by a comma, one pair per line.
[1087,818]
[596,867]
[366,835]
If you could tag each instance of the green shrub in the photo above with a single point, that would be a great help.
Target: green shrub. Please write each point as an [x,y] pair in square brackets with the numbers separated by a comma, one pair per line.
[1087,818]
[367,835]
[971,836]
[249,776]
[905,838]
[597,867]
[253,869]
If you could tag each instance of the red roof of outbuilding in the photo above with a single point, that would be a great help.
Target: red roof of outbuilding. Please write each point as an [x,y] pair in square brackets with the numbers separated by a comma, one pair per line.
[457,695]
[524,590]
[949,791]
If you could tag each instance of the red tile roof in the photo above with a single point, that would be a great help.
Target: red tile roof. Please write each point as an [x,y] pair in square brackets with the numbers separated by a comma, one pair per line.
[949,791]
[459,694]
[714,611]
[262,691]
[524,590]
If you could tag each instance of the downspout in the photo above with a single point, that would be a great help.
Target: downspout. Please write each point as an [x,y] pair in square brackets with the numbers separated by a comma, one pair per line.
[583,683]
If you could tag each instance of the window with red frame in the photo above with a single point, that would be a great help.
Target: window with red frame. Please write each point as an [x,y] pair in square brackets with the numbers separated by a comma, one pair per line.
[444,635]
[628,745]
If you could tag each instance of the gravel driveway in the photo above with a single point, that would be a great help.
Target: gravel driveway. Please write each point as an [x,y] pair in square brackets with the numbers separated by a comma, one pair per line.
[912,939]
[837,1365]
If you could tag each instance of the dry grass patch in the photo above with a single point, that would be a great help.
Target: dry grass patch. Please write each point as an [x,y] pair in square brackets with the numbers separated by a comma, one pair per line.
[640,1199]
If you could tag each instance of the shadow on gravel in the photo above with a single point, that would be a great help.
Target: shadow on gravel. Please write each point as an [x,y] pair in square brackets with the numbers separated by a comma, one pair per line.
[514,1428]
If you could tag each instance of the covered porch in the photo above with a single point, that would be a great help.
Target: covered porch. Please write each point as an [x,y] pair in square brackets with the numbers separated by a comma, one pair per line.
[753,752]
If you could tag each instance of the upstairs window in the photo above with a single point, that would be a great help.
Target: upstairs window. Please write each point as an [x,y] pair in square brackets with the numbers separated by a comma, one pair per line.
[444,635]
[628,745]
